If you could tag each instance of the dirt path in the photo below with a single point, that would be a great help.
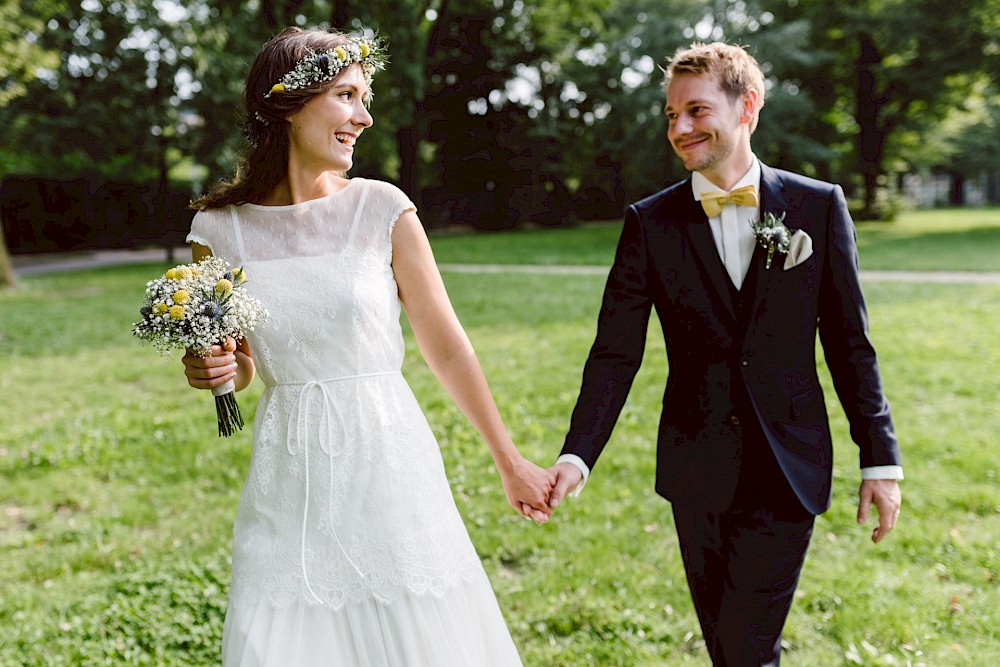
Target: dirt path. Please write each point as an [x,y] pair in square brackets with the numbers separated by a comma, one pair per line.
[898,276]
[26,265]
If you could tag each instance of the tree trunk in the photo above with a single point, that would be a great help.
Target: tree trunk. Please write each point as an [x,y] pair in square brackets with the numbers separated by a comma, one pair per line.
[291,10]
[340,14]
[279,14]
[267,13]
[407,146]
[6,265]
[871,132]
[956,192]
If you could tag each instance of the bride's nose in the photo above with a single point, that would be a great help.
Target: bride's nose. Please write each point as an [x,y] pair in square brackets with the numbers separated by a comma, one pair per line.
[362,116]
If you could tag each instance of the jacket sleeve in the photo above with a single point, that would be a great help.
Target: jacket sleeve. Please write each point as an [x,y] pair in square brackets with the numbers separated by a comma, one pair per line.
[618,347]
[850,356]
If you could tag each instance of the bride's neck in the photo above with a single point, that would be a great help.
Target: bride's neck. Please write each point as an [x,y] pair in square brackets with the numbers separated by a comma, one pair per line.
[295,189]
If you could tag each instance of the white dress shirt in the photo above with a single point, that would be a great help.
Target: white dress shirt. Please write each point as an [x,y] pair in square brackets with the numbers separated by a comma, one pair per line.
[738,218]
[733,219]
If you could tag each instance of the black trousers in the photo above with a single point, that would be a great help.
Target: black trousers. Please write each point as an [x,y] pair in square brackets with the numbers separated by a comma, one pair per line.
[743,564]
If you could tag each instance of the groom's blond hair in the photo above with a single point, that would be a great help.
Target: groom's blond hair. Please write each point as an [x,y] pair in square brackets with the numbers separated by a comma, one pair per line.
[736,70]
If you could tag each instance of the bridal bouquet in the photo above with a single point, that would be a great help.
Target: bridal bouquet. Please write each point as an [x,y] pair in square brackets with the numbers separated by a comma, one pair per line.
[195,306]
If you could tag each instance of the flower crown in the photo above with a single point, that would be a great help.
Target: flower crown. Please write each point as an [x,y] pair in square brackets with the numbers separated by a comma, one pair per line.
[326,65]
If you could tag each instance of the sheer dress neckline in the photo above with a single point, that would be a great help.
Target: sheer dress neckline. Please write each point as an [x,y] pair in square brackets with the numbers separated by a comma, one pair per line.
[303,204]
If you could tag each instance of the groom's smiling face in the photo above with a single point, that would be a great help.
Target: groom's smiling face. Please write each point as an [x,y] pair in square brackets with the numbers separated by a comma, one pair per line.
[705,123]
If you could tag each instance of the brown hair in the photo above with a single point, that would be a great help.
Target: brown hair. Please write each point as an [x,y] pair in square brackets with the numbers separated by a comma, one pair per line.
[736,70]
[264,163]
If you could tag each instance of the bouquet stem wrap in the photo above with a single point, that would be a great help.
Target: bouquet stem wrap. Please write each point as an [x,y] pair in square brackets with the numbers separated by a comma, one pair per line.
[226,409]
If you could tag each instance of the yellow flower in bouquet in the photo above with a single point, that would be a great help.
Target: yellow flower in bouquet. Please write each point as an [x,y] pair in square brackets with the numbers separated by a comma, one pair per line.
[224,287]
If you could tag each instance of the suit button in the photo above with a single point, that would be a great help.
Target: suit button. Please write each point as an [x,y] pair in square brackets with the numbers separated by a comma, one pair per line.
[744,362]
[734,420]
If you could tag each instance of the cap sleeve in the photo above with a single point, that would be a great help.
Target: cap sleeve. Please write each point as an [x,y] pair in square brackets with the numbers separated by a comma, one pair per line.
[401,206]
[203,228]
[391,202]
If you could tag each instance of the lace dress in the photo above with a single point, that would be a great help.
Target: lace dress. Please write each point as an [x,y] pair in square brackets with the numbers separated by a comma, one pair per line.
[348,550]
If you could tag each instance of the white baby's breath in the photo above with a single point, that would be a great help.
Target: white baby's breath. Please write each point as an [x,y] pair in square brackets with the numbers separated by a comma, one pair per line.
[209,315]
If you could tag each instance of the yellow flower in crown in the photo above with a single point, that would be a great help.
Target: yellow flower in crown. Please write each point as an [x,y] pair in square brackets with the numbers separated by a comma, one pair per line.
[327,65]
[240,275]
[184,272]
[176,312]
[172,274]
[224,287]
[182,296]
[160,308]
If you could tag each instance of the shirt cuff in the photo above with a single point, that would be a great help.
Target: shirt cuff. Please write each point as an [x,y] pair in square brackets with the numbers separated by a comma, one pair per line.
[578,462]
[882,472]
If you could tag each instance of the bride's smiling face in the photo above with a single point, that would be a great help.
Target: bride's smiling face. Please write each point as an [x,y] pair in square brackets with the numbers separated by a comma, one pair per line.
[322,134]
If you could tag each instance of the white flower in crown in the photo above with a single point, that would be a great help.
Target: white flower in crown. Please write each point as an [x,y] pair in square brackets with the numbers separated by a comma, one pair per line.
[326,65]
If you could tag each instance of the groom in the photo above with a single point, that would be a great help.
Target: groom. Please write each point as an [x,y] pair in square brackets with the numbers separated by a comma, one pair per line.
[744,450]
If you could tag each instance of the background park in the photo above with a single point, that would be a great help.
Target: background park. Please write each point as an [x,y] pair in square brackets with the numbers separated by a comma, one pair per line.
[521,129]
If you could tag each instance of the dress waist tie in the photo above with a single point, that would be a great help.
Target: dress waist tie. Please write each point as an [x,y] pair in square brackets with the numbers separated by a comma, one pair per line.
[297,444]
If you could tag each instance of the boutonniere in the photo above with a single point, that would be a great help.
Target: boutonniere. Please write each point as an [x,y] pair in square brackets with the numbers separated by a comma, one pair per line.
[772,234]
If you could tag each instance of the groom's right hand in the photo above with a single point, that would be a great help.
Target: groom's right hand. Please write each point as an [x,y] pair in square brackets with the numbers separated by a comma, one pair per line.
[568,477]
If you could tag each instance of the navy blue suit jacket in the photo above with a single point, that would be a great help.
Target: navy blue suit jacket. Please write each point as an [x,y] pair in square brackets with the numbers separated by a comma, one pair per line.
[667,260]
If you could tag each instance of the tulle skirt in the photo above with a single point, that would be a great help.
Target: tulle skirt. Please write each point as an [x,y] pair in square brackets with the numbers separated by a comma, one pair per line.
[461,628]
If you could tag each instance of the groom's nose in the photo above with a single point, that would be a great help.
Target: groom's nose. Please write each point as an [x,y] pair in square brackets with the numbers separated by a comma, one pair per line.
[680,125]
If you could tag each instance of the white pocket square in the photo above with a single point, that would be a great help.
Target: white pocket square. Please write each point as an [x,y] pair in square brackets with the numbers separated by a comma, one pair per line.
[800,248]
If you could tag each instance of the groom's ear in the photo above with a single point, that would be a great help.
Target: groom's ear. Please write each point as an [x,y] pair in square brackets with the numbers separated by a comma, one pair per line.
[748,110]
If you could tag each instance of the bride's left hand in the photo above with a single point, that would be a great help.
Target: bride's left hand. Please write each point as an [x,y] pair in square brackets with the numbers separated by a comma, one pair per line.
[527,487]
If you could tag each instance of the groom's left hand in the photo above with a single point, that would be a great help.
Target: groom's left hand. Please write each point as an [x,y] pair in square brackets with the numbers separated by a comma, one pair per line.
[885,495]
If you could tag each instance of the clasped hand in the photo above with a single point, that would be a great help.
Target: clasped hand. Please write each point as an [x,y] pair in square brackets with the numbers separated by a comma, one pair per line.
[536,492]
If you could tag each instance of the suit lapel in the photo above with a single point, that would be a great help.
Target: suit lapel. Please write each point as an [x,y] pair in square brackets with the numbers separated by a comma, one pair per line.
[771,201]
[696,226]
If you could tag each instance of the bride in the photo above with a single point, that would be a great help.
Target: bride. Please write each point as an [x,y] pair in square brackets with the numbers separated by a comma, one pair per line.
[348,549]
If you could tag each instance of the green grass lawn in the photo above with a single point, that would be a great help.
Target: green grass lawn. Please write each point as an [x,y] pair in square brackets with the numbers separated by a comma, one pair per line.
[117,499]
[932,240]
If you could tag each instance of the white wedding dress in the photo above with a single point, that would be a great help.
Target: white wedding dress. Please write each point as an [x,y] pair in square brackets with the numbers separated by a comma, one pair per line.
[348,550]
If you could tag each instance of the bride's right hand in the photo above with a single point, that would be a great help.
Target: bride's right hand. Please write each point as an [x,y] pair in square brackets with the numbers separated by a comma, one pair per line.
[527,487]
[217,369]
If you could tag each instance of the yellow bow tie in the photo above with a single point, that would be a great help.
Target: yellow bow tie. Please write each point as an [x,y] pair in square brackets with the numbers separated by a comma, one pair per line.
[713,202]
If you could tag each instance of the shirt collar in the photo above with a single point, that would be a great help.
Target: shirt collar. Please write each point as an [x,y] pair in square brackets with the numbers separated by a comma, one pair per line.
[699,183]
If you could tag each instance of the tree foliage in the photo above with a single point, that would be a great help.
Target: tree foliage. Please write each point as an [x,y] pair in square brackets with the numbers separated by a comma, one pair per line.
[21,57]
[494,112]
[888,67]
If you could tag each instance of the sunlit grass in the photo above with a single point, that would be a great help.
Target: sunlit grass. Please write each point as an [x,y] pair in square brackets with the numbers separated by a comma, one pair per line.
[117,499]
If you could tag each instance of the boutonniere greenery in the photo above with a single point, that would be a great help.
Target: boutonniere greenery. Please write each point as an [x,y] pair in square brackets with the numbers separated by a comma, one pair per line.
[772,235]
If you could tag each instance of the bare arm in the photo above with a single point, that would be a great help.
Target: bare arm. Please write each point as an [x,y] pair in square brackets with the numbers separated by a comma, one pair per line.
[229,361]
[449,353]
